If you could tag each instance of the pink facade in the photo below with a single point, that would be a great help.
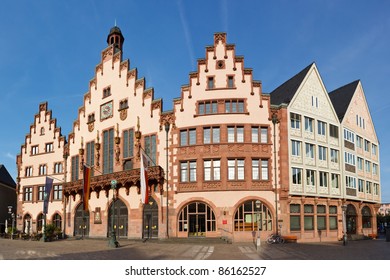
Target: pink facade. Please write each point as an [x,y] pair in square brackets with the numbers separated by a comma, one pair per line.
[217,147]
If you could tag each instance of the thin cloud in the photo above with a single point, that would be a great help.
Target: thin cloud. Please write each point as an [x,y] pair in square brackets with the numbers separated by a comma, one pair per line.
[10,156]
[187,34]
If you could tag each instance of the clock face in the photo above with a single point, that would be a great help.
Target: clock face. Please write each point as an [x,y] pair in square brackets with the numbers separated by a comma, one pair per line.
[106,110]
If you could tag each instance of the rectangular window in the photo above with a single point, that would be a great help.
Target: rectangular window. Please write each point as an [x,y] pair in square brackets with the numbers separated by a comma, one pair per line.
[367,145]
[314,101]
[376,189]
[360,185]
[259,169]
[234,106]
[295,218]
[368,187]
[375,169]
[335,180]
[333,217]
[188,171]
[310,177]
[151,149]
[350,182]
[368,166]
[90,160]
[374,149]
[108,151]
[360,163]
[296,148]
[296,176]
[230,80]
[41,193]
[236,169]
[188,137]
[309,217]
[323,179]
[259,138]
[75,168]
[334,156]
[308,124]
[128,143]
[212,170]
[322,151]
[211,135]
[333,131]
[295,121]
[57,192]
[321,128]
[349,136]
[235,134]
[34,150]
[349,158]
[309,150]
[49,147]
[106,92]
[359,141]
[28,194]
[210,82]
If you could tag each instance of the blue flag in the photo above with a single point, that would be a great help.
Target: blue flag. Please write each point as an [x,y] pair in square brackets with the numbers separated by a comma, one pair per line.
[46,195]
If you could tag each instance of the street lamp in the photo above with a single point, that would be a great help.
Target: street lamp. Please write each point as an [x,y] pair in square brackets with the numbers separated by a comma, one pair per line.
[274,122]
[166,170]
[12,222]
[112,242]
[344,209]
[258,205]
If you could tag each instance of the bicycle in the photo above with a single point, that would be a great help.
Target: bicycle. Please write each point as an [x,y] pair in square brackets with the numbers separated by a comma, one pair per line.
[275,239]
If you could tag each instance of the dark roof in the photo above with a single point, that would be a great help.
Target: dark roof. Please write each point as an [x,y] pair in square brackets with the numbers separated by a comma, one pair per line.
[285,92]
[5,178]
[341,98]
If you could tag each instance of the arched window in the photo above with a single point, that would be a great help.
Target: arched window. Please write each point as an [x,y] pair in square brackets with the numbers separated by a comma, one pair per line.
[366,217]
[197,218]
[252,215]
[40,222]
[57,220]
[42,131]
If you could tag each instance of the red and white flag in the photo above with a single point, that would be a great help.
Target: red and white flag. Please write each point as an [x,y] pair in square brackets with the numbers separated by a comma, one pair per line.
[144,178]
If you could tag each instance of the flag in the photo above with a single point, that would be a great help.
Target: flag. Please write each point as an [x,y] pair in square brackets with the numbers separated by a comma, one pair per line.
[87,185]
[46,195]
[144,178]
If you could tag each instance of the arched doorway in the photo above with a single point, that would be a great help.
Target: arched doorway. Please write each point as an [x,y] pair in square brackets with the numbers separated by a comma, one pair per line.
[40,219]
[27,224]
[197,218]
[120,219]
[81,221]
[351,219]
[150,219]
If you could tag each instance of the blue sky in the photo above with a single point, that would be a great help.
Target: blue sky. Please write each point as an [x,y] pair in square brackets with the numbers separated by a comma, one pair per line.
[49,50]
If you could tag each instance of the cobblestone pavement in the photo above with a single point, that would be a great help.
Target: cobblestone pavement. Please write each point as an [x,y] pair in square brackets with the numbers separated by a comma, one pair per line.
[97,249]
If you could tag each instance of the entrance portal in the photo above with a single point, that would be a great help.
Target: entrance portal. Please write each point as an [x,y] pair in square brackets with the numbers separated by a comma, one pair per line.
[120,220]
[81,221]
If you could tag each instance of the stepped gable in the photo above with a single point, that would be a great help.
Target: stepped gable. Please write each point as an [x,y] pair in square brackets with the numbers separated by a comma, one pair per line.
[220,59]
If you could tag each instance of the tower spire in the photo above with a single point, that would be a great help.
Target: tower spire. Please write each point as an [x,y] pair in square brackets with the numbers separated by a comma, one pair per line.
[115,38]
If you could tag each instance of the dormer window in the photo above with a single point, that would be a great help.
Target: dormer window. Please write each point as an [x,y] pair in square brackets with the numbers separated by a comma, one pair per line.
[106,92]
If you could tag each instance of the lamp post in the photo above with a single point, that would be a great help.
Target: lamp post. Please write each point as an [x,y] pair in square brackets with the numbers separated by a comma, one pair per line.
[274,122]
[112,242]
[12,221]
[344,209]
[258,204]
[166,170]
